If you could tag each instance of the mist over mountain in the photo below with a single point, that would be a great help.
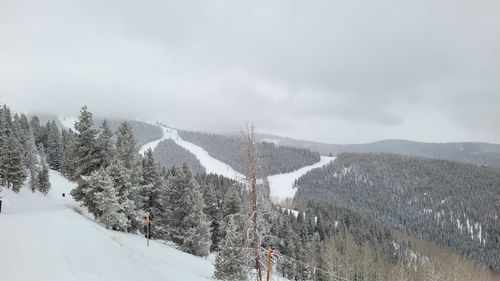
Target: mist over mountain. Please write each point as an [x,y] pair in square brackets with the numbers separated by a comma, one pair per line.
[479,153]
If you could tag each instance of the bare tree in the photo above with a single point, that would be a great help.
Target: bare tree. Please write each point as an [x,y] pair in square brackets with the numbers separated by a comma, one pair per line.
[251,155]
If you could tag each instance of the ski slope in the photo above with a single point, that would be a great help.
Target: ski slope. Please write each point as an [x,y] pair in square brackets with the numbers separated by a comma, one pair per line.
[210,164]
[281,185]
[45,238]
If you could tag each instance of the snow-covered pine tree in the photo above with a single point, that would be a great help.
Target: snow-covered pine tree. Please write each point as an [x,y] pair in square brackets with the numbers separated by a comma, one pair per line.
[18,130]
[286,247]
[35,128]
[85,151]
[54,146]
[105,144]
[151,183]
[43,181]
[5,132]
[230,262]
[213,212]
[126,149]
[195,225]
[125,191]
[12,168]
[110,211]
[67,163]
[31,161]
[233,204]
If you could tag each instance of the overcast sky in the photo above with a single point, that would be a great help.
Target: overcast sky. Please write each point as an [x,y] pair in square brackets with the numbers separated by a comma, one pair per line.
[331,71]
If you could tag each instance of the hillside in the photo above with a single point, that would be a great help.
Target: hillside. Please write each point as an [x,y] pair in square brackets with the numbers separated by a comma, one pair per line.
[272,159]
[468,152]
[169,154]
[450,203]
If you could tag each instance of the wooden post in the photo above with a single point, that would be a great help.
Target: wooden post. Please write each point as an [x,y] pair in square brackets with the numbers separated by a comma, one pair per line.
[269,255]
[147,217]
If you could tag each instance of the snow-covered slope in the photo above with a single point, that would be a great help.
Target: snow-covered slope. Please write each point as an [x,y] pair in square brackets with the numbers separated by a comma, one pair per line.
[210,164]
[44,238]
[281,185]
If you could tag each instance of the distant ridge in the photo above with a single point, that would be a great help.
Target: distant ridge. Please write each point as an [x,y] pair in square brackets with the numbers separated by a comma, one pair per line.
[480,153]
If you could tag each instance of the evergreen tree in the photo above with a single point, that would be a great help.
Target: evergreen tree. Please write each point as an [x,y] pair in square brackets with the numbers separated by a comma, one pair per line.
[53,146]
[12,169]
[105,144]
[213,212]
[85,152]
[233,204]
[43,182]
[230,262]
[126,149]
[38,131]
[31,161]
[151,183]
[5,132]
[185,210]
[109,210]
[286,247]
[195,225]
[125,192]
[67,162]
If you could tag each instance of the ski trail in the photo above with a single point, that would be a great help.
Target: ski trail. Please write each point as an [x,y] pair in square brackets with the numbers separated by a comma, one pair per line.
[281,185]
[210,164]
[44,238]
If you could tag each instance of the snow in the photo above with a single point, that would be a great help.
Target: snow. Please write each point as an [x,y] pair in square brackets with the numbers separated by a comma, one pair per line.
[210,164]
[68,122]
[46,238]
[281,185]
[295,213]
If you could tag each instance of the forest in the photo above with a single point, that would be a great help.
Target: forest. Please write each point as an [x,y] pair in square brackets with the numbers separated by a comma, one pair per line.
[455,205]
[169,154]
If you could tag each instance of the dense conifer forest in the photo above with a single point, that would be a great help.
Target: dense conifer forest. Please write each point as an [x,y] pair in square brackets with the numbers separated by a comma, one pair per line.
[170,154]
[453,204]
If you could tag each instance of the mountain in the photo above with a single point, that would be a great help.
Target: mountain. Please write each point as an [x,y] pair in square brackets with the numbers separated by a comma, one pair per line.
[480,153]
[272,159]
[170,154]
[453,204]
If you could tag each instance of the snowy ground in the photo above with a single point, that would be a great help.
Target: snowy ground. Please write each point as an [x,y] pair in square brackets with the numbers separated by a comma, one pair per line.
[211,164]
[44,238]
[281,185]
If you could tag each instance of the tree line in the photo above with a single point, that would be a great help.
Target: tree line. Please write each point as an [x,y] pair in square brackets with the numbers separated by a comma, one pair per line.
[27,148]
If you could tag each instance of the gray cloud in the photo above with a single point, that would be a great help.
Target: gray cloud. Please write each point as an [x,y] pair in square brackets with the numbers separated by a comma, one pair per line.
[335,71]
